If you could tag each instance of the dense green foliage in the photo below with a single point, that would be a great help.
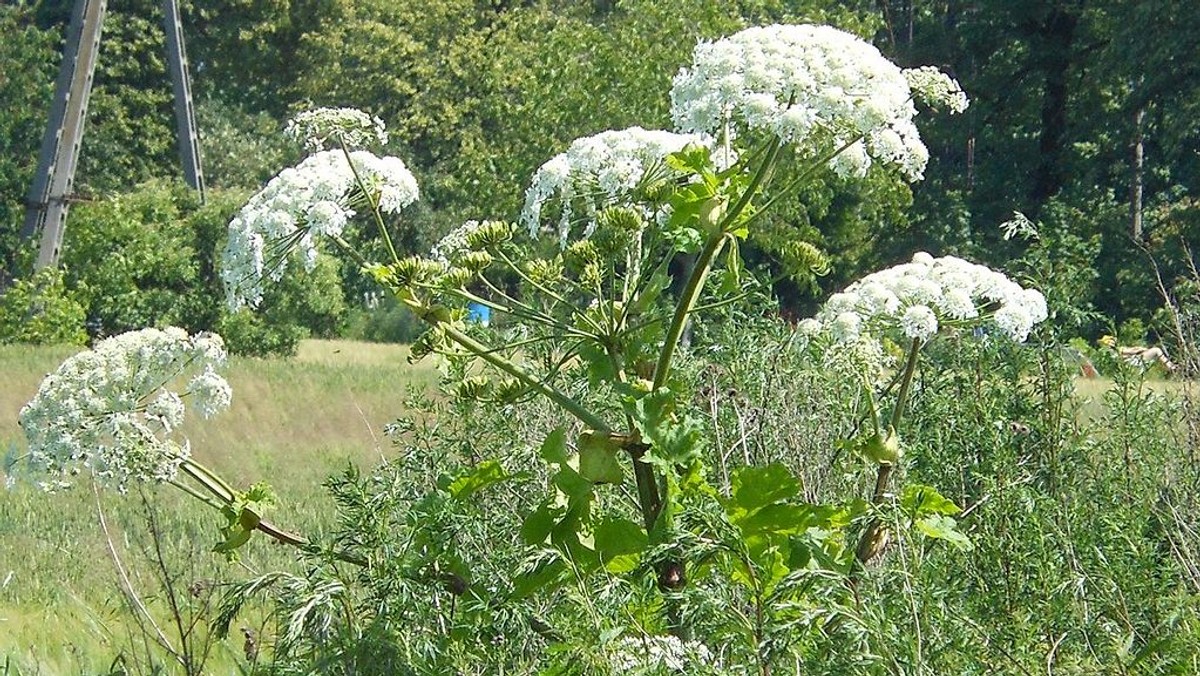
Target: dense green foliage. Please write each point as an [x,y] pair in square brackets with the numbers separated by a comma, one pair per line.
[479,94]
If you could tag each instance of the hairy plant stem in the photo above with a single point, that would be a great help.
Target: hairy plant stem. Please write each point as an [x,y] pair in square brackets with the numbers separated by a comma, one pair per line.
[387,239]
[225,496]
[870,543]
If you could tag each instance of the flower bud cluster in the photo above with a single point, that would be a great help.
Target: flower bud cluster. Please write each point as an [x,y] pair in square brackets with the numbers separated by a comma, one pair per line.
[598,171]
[816,88]
[323,128]
[111,410]
[472,237]
[916,298]
[299,206]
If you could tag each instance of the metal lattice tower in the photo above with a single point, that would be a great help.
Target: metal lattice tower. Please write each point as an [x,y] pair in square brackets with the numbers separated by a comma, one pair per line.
[50,195]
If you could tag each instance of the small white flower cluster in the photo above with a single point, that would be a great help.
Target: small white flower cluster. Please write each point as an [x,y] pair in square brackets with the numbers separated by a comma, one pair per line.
[652,654]
[299,206]
[455,242]
[597,171]
[320,128]
[1019,226]
[936,88]
[817,88]
[110,409]
[915,298]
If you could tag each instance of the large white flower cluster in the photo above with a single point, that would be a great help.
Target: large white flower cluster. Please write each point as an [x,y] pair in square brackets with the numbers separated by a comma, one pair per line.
[817,88]
[112,409]
[916,298]
[596,171]
[299,206]
[320,128]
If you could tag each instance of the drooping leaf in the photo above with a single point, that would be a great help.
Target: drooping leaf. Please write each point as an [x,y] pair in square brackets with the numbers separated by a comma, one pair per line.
[919,500]
[619,544]
[598,459]
[483,475]
[942,527]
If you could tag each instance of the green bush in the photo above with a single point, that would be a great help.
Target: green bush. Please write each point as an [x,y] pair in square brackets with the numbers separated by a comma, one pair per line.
[149,258]
[387,322]
[40,310]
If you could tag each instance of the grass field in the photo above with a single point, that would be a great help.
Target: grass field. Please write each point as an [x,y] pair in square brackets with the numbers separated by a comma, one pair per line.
[292,422]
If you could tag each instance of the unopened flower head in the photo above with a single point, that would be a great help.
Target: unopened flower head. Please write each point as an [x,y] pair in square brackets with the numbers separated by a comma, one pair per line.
[596,172]
[323,128]
[470,237]
[112,409]
[314,199]
[819,89]
[914,299]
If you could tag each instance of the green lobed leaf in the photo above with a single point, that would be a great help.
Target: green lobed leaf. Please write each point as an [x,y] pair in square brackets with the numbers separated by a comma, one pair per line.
[919,500]
[485,474]
[942,527]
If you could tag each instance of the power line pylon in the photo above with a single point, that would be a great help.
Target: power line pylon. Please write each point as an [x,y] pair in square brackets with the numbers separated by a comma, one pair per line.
[50,194]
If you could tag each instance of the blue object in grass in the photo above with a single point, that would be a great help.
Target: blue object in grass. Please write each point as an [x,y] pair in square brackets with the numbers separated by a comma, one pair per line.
[479,313]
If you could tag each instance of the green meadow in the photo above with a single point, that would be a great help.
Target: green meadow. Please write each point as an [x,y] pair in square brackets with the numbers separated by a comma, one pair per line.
[293,422]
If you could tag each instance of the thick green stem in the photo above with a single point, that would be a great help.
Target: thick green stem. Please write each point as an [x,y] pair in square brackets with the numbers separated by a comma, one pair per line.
[687,301]
[703,266]
[873,538]
[910,368]
[760,177]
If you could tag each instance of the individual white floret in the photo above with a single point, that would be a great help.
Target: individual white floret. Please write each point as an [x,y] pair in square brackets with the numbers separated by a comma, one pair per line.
[919,322]
[936,88]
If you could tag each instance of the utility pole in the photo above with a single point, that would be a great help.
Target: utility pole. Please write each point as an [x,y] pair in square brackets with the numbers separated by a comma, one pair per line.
[48,200]
[50,195]
[185,113]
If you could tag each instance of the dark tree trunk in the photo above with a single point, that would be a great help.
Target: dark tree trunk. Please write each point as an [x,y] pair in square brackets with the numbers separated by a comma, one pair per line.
[1056,35]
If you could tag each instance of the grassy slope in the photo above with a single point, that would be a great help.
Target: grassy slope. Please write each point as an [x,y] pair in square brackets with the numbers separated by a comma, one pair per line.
[292,422]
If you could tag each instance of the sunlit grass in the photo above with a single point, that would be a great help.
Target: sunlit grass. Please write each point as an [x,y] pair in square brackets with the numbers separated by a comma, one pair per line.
[292,423]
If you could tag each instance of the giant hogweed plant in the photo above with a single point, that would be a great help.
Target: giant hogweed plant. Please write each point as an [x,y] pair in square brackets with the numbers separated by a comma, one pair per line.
[593,308]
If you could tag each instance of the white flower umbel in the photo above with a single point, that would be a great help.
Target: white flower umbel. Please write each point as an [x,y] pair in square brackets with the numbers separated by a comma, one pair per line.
[598,171]
[936,88]
[656,654]
[314,199]
[323,128]
[111,410]
[817,88]
[915,299]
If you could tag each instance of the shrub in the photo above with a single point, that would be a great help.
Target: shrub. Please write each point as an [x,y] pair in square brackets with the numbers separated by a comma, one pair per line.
[40,310]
